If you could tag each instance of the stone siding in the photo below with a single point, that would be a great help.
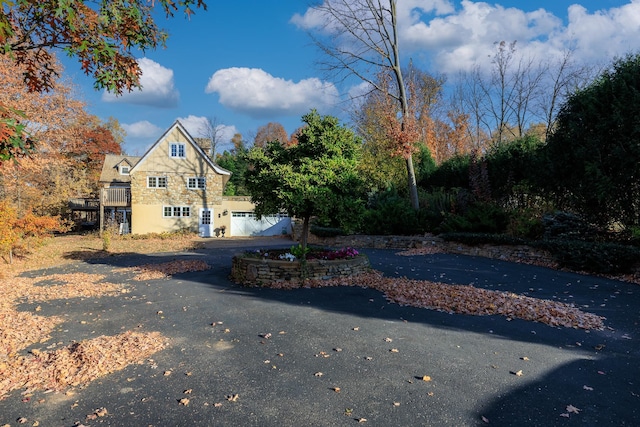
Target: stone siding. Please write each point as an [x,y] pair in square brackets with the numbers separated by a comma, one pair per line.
[176,193]
[258,272]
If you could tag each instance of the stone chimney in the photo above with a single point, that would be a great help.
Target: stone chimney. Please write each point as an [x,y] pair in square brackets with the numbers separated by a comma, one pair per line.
[205,145]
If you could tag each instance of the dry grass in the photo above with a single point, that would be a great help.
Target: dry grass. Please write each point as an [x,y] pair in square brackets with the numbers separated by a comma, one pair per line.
[64,249]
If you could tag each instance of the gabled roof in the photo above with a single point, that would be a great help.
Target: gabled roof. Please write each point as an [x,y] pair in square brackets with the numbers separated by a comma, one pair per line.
[111,173]
[191,141]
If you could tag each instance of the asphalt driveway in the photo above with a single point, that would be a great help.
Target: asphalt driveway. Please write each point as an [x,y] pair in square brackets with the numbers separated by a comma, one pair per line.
[343,356]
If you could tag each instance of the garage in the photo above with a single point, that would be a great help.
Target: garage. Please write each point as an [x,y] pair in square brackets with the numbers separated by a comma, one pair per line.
[247,224]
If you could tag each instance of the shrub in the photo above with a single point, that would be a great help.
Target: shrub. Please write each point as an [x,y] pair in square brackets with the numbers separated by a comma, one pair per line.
[525,223]
[389,213]
[478,217]
[326,231]
[601,258]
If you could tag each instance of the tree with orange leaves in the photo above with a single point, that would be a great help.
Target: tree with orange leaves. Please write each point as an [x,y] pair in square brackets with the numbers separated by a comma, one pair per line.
[103,35]
[71,145]
[358,36]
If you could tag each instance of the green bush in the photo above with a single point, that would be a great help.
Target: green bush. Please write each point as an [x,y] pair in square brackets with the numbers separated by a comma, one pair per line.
[320,231]
[525,223]
[601,258]
[473,239]
[389,213]
[478,217]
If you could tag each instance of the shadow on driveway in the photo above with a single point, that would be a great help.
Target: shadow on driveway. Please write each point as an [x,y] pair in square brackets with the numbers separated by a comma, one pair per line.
[375,352]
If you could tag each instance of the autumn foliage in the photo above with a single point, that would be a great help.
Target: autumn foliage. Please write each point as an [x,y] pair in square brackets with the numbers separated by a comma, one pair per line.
[25,231]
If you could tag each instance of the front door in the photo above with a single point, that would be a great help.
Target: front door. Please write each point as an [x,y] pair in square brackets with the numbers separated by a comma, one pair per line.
[206,222]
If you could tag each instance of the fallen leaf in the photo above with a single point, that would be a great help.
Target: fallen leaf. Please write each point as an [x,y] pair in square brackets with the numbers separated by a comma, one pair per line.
[38,308]
[233,397]
[572,409]
[101,412]
[517,373]
[35,424]
[184,401]
[426,378]
[167,373]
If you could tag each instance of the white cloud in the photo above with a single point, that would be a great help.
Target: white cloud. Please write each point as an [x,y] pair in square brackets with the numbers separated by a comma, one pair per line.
[260,95]
[142,129]
[195,125]
[451,38]
[140,136]
[158,89]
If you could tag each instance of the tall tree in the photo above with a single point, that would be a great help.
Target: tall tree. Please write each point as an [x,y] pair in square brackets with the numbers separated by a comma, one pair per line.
[363,40]
[504,101]
[103,35]
[272,131]
[212,130]
[318,176]
[72,145]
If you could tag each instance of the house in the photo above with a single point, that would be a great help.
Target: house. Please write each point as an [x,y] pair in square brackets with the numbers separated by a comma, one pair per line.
[174,186]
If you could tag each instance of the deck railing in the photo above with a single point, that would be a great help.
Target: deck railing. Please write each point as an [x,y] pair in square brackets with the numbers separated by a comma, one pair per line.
[116,196]
[84,204]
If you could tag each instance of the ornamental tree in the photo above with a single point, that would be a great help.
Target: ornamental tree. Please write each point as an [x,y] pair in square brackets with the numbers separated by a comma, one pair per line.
[317,176]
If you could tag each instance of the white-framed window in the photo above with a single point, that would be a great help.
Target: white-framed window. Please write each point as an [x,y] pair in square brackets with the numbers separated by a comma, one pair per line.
[176,211]
[124,170]
[177,150]
[156,182]
[196,183]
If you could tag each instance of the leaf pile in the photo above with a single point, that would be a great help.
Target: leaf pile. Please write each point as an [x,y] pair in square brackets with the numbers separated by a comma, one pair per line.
[166,269]
[20,329]
[463,299]
[78,363]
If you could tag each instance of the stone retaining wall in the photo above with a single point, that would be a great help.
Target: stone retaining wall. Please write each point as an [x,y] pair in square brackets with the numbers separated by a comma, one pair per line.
[257,272]
[519,253]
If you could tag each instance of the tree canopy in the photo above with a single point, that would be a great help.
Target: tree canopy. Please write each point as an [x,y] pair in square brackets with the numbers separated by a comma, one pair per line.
[317,176]
[103,35]
[594,153]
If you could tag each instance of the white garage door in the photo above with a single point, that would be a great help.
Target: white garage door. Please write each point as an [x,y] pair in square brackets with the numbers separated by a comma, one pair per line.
[247,224]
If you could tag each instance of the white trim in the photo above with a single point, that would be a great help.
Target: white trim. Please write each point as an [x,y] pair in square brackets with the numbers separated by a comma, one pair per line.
[190,140]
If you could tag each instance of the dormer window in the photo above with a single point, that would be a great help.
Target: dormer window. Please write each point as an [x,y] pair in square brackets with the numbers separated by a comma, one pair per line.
[124,170]
[177,150]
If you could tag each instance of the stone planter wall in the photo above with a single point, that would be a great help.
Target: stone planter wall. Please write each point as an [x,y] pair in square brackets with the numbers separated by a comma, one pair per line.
[257,272]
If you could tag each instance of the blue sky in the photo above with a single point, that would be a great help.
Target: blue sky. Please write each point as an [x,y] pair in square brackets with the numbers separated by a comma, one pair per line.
[249,62]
